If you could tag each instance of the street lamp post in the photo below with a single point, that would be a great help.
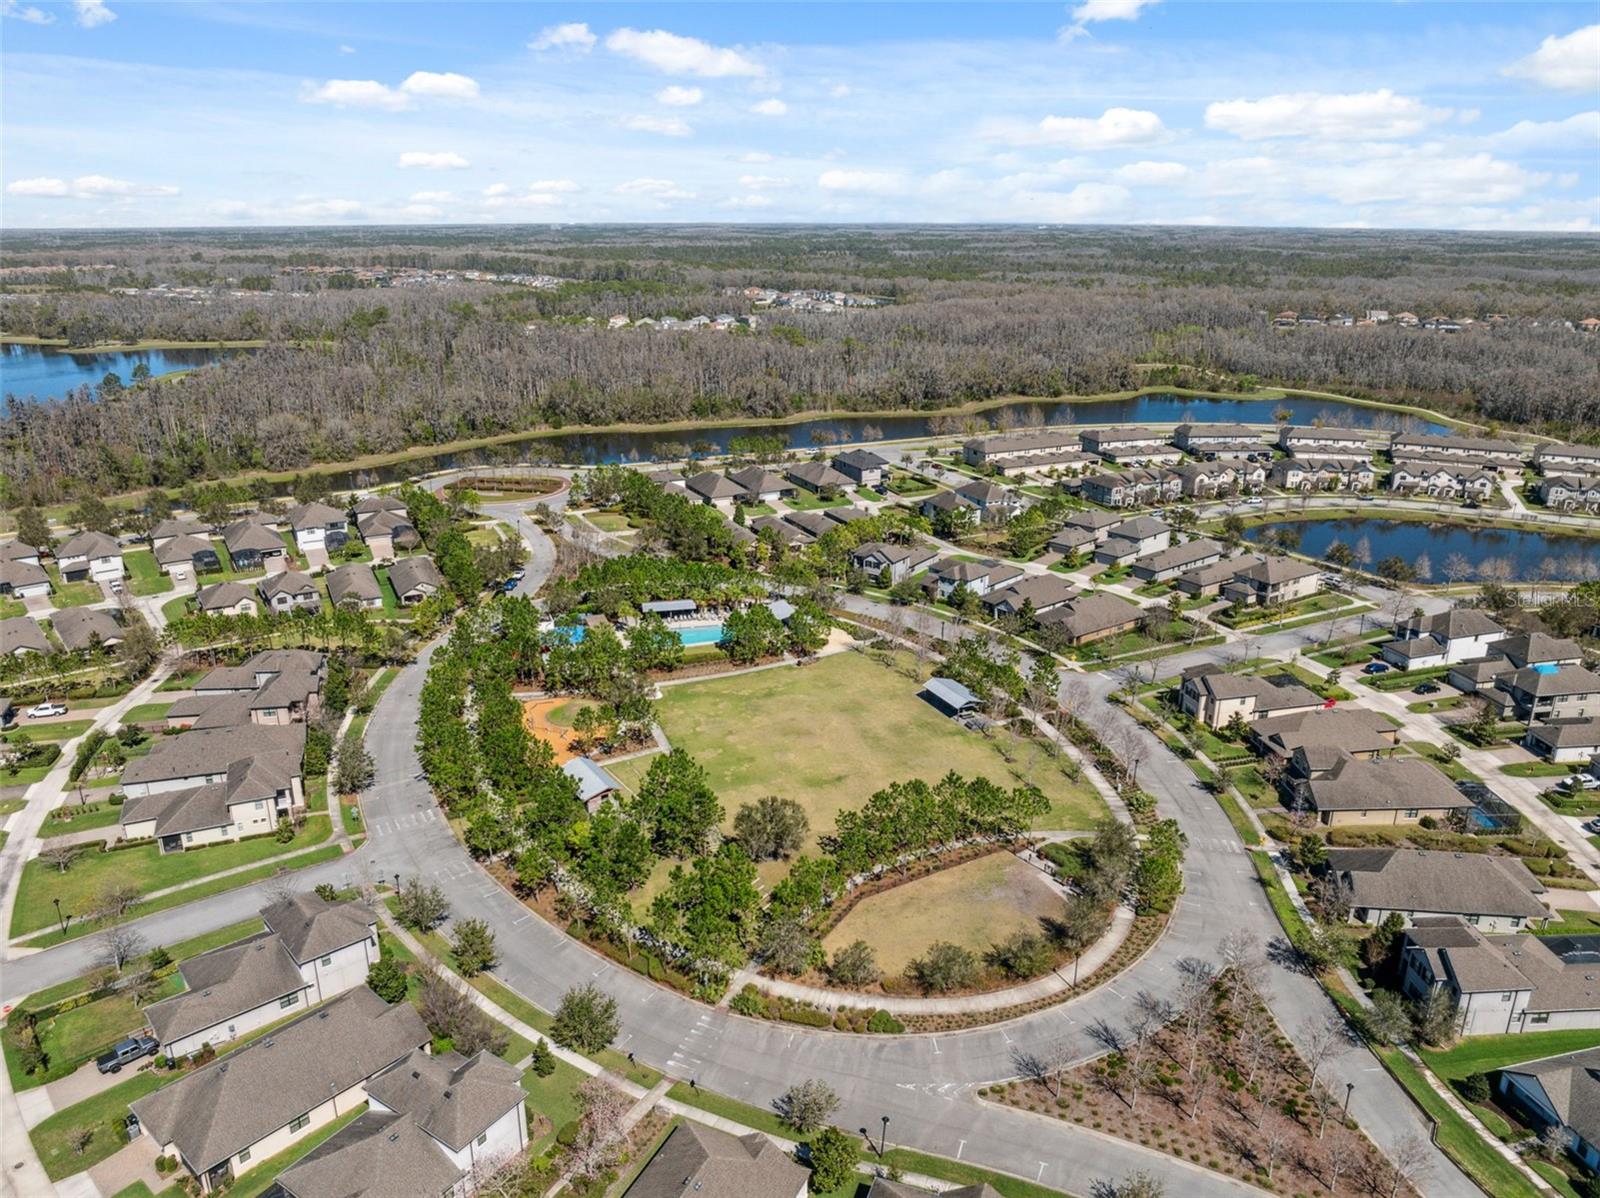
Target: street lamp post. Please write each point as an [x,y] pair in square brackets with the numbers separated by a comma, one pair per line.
[883,1140]
[1349,1089]
[397,883]
[61,919]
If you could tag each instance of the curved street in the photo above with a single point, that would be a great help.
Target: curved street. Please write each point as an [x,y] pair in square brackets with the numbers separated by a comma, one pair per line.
[926,1084]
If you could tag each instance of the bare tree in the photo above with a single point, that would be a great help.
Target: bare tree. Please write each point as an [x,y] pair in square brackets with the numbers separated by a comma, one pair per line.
[497,1176]
[1408,1164]
[1275,1133]
[1320,1041]
[1257,1035]
[115,900]
[1243,961]
[60,856]
[1457,569]
[1340,1154]
[1196,1006]
[1200,1087]
[117,945]
[1047,1066]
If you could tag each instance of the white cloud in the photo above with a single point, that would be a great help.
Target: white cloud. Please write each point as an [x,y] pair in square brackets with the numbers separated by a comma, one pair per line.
[749,201]
[497,189]
[1580,130]
[1568,64]
[445,85]
[661,189]
[316,209]
[1151,173]
[870,182]
[677,55]
[25,12]
[1379,115]
[574,35]
[356,93]
[1084,201]
[769,108]
[755,156]
[421,211]
[667,126]
[1093,11]
[680,97]
[347,49]
[1114,127]
[762,182]
[92,13]
[86,187]
[840,91]
[443,160]
[552,185]
[432,197]
[529,199]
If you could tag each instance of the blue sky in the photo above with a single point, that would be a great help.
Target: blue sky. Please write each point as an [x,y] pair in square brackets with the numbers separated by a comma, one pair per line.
[1474,115]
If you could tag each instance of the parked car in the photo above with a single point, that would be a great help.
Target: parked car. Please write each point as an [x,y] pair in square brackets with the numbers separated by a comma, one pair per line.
[1583,782]
[1592,826]
[43,711]
[509,585]
[1425,688]
[126,1052]
[1375,667]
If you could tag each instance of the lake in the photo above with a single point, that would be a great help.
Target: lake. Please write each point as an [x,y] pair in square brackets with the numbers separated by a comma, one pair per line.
[1575,557]
[47,372]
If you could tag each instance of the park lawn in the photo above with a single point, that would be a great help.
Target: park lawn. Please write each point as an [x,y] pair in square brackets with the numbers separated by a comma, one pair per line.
[1485,1054]
[57,731]
[146,713]
[973,904]
[555,1097]
[609,521]
[144,868]
[757,734]
[144,573]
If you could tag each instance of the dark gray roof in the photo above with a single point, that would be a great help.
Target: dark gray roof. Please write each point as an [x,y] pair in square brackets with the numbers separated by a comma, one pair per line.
[409,573]
[1392,784]
[379,503]
[315,514]
[1532,647]
[701,1162]
[313,927]
[378,1155]
[226,982]
[20,633]
[352,581]
[178,526]
[757,481]
[1568,680]
[817,474]
[249,1093]
[198,753]
[1442,883]
[250,534]
[288,582]
[89,544]
[712,485]
[222,594]
[1572,1084]
[184,548]
[1568,734]
[79,626]
[452,1098]
[1459,622]
[813,523]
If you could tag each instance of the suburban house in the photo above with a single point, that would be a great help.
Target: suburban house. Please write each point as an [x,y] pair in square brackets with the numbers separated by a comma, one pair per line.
[1566,742]
[252,544]
[1538,649]
[1018,452]
[1446,480]
[1037,592]
[383,523]
[846,515]
[231,991]
[174,527]
[944,501]
[861,466]
[817,477]
[354,586]
[1343,789]
[1218,440]
[1503,983]
[1460,634]
[1130,488]
[21,574]
[414,579]
[1205,480]
[1354,730]
[813,524]
[1578,459]
[1132,539]
[80,628]
[215,784]
[1304,440]
[993,500]
[1098,523]
[595,784]
[760,486]
[1131,444]
[227,599]
[20,635]
[702,1162]
[1562,1092]
[195,554]
[90,555]
[1169,563]
[1546,693]
[1324,474]
[274,687]
[317,526]
[1273,580]
[1092,618]
[1492,892]
[781,529]
[1214,696]
[1487,453]
[1070,541]
[260,1099]
[1570,492]
[1209,580]
[715,490]
[471,1107]
[901,561]
[979,577]
[289,590]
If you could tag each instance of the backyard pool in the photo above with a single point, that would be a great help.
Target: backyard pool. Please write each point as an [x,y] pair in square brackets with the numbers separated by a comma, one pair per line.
[703,634]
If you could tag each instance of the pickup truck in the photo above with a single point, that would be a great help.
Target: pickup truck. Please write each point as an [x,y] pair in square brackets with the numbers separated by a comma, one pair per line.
[125,1052]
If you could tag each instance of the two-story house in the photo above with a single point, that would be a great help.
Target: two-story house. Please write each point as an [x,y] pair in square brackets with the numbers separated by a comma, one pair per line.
[1460,634]
[1127,445]
[317,526]
[902,561]
[861,466]
[91,556]
[1273,580]
[288,591]
[1214,696]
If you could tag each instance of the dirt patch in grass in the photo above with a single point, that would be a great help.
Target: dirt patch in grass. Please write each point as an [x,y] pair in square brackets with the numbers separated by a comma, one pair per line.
[973,904]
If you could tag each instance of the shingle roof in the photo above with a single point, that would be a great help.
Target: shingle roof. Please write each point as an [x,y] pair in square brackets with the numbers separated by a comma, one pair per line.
[20,633]
[379,503]
[861,459]
[178,526]
[1572,1084]
[352,581]
[711,485]
[14,550]
[982,491]
[1568,734]
[1140,527]
[195,754]
[1447,883]
[1089,614]
[409,573]
[378,1155]
[1460,622]
[814,523]
[1530,647]
[1179,556]
[818,474]
[183,549]
[702,1162]
[225,982]
[1352,728]
[1274,569]
[1269,695]
[313,927]
[287,582]
[79,626]
[1043,590]
[1567,680]
[315,514]
[1353,784]
[222,594]
[89,544]
[235,1101]
[454,1099]
[16,573]
[250,534]
[757,481]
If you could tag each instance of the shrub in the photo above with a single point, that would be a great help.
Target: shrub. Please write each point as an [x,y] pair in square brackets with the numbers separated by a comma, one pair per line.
[542,1061]
[884,1024]
[567,1135]
[748,1002]
[1475,1087]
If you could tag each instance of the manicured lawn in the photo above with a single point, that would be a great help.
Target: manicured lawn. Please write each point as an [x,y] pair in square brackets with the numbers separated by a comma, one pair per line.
[609,521]
[1484,1054]
[555,1097]
[146,713]
[180,682]
[103,1114]
[175,609]
[11,608]
[79,818]
[807,501]
[1572,923]
[144,574]
[145,868]
[1454,770]
[72,594]
[758,734]
[1537,769]
[1257,791]
[58,730]
[974,905]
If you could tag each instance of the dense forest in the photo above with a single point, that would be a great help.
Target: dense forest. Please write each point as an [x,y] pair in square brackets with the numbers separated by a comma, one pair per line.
[974,313]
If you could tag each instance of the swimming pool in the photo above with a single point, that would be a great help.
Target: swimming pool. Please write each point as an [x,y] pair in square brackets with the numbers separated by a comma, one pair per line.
[704,634]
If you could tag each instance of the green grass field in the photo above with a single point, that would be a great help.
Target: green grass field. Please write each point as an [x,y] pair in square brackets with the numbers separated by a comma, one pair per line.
[764,733]
[1484,1054]
[144,573]
[973,905]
